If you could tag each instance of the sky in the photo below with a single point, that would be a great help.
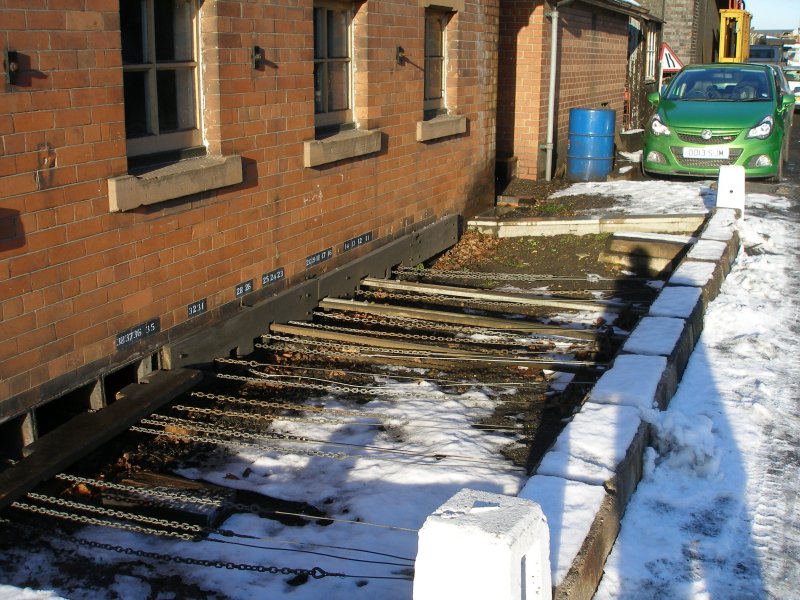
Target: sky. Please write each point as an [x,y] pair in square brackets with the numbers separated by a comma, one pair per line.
[714,516]
[774,14]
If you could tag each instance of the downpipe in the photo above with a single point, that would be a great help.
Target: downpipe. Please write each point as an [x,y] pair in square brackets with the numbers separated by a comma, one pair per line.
[551,96]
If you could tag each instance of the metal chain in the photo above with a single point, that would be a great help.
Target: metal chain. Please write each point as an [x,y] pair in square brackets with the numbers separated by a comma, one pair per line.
[116,514]
[215,412]
[314,572]
[437,380]
[279,405]
[84,520]
[344,389]
[240,442]
[413,336]
[398,321]
[422,295]
[196,498]
[155,492]
[162,419]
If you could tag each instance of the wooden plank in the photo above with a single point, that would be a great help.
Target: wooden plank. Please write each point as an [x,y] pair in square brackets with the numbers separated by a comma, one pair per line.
[67,444]
[439,316]
[492,296]
[440,354]
[364,340]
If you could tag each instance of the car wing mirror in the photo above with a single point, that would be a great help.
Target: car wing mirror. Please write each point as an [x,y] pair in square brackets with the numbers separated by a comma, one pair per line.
[787,101]
[654,98]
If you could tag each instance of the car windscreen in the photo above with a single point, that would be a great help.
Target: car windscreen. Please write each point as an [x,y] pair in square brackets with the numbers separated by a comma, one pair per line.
[720,85]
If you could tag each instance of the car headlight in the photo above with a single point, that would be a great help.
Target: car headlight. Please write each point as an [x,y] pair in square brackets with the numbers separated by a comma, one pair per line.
[763,130]
[657,127]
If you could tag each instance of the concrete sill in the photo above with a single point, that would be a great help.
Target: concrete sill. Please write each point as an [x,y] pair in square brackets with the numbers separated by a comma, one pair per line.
[347,144]
[182,178]
[441,126]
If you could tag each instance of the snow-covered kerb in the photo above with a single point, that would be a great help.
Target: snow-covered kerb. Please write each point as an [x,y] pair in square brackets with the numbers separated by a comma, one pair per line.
[599,455]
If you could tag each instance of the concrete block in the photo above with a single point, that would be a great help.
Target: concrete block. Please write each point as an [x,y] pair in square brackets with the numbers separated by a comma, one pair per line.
[702,274]
[633,380]
[663,336]
[682,302]
[571,509]
[593,444]
[730,188]
[712,251]
[480,545]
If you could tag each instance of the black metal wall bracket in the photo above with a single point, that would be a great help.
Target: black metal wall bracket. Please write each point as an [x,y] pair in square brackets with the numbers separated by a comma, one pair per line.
[12,66]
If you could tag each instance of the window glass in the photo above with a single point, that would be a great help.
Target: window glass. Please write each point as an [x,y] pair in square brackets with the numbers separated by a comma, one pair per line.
[332,65]
[434,80]
[135,104]
[131,16]
[160,76]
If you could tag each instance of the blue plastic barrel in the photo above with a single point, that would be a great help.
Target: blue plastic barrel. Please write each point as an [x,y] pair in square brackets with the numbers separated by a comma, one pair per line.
[590,149]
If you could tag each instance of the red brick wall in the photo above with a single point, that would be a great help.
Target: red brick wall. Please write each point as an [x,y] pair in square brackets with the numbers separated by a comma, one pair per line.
[72,274]
[592,50]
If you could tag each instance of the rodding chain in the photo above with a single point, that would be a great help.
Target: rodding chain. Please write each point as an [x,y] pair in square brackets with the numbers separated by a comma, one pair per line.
[422,295]
[314,572]
[239,442]
[413,336]
[278,405]
[397,321]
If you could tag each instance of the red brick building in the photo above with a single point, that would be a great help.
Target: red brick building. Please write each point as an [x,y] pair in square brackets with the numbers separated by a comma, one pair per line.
[591,72]
[171,167]
[167,164]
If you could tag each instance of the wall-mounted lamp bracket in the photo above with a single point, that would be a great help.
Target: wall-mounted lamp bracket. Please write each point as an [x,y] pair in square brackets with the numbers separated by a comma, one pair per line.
[12,66]
[258,57]
[401,56]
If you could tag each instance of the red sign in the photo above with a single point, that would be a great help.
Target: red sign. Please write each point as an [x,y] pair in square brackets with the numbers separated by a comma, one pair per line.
[669,62]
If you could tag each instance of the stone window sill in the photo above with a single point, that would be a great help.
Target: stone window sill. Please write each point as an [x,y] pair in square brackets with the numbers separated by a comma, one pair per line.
[182,178]
[346,144]
[440,127]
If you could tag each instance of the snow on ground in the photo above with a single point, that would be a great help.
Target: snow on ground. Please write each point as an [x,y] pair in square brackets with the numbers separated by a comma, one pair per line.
[716,515]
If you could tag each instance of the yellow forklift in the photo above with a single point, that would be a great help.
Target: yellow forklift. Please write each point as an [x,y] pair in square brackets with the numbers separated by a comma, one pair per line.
[734,33]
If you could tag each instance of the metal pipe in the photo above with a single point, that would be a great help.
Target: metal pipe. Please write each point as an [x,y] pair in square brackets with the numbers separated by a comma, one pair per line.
[551,97]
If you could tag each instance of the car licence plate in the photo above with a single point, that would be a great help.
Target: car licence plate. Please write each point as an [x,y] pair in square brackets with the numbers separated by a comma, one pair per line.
[708,153]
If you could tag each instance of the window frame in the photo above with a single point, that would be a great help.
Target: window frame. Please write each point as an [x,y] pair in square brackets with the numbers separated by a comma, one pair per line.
[174,142]
[651,52]
[435,106]
[337,119]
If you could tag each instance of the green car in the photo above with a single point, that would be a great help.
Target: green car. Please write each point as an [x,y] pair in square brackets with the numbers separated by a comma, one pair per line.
[719,114]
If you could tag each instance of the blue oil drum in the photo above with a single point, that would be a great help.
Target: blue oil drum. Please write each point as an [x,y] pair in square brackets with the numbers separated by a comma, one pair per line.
[590,148]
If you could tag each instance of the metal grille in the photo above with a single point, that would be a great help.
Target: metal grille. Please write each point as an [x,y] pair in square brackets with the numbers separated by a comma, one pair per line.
[719,137]
[677,152]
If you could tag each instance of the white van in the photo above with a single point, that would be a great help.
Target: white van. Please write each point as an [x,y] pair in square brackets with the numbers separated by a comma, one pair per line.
[762,53]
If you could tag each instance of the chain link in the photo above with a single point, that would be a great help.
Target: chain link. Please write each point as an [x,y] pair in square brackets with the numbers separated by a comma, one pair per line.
[504,337]
[314,572]
[421,295]
[239,442]
[115,514]
[414,336]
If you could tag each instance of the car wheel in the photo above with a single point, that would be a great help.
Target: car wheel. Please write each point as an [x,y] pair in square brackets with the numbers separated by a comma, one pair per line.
[778,177]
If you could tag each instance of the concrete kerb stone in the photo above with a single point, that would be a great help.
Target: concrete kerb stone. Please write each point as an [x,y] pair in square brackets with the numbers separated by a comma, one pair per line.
[670,337]
[495,224]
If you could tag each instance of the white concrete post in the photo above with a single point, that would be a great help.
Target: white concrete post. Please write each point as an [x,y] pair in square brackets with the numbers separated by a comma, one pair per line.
[730,188]
[481,546]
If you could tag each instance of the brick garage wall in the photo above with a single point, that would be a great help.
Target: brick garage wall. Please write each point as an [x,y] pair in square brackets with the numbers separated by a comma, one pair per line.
[593,46]
[593,67]
[523,83]
[72,274]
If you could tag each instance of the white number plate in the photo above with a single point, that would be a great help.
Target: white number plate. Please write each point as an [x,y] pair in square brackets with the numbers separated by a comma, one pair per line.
[710,153]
